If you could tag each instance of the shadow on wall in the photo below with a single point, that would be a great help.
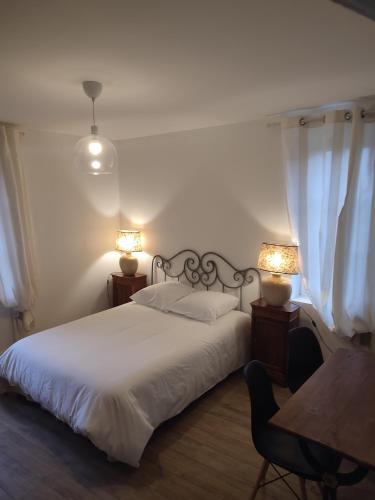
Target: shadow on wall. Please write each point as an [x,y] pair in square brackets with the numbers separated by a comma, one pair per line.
[204,216]
[73,269]
[209,189]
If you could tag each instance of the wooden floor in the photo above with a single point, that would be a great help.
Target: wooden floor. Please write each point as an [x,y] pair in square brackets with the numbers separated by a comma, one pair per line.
[203,454]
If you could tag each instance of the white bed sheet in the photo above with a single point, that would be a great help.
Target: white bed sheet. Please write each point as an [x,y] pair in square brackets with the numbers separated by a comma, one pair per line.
[116,375]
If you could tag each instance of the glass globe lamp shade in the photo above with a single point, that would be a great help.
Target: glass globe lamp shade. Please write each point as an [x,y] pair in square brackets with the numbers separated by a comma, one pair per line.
[95,155]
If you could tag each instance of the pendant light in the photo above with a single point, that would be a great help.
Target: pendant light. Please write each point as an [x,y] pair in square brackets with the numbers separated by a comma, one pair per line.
[95,154]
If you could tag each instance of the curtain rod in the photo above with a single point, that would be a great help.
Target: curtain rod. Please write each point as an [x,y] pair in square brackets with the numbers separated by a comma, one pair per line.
[348,115]
[303,120]
[368,114]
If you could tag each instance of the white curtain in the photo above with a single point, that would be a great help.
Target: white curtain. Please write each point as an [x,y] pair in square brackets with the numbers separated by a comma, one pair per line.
[317,170]
[330,190]
[17,274]
[354,271]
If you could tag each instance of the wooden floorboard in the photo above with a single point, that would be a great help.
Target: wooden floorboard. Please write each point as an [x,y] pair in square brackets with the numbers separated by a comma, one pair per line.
[203,454]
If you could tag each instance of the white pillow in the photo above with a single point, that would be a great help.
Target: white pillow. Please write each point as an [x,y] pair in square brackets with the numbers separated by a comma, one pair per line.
[161,295]
[205,306]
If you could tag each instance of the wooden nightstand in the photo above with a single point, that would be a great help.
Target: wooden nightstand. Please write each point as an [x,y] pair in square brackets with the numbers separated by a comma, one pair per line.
[125,286]
[269,336]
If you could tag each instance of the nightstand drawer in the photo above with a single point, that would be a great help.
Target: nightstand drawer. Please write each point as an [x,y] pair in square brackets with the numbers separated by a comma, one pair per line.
[276,313]
[125,286]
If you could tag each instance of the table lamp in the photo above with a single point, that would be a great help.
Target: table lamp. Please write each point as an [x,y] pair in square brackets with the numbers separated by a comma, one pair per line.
[128,242]
[278,260]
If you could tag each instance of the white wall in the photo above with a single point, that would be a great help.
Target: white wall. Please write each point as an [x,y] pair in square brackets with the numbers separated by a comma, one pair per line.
[74,217]
[219,188]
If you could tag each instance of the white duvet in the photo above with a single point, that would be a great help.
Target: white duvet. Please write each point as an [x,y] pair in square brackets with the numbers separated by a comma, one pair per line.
[116,375]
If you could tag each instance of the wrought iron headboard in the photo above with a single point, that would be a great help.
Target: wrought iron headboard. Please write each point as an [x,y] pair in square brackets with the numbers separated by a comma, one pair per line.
[205,270]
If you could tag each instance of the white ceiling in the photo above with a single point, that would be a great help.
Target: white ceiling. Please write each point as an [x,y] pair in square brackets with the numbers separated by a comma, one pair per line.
[171,65]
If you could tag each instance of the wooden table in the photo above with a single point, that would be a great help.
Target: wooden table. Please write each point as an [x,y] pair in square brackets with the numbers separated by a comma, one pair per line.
[336,408]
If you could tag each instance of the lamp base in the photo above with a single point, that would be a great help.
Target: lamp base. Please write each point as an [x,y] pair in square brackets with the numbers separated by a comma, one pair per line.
[128,264]
[276,290]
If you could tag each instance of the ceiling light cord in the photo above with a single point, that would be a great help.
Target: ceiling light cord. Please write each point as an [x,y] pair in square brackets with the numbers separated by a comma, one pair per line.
[94,128]
[93,111]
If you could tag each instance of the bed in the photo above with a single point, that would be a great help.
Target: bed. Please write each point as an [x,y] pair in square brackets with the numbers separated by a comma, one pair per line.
[115,376]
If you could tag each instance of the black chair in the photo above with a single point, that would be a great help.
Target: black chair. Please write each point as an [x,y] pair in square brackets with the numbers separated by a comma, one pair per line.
[304,356]
[275,446]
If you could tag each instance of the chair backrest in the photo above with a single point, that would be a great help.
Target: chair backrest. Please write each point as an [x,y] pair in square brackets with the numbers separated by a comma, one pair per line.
[304,356]
[263,404]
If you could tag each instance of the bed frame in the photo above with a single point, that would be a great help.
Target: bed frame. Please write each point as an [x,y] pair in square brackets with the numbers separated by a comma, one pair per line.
[207,270]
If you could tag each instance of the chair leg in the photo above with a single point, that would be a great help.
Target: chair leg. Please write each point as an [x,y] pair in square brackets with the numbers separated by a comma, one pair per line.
[261,476]
[302,483]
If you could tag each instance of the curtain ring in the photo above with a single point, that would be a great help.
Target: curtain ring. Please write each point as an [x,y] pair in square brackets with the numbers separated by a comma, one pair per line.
[348,116]
[302,122]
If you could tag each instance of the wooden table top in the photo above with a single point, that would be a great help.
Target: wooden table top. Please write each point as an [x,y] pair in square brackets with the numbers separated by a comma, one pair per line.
[336,407]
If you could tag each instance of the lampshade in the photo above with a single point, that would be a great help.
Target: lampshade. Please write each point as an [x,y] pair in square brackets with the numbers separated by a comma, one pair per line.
[95,155]
[128,241]
[278,258]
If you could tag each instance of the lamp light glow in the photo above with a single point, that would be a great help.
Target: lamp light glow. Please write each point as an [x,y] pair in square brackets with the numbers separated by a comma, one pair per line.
[278,260]
[96,164]
[88,158]
[95,148]
[128,242]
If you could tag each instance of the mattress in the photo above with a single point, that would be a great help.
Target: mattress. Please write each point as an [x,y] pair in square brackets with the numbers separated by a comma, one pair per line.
[117,375]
